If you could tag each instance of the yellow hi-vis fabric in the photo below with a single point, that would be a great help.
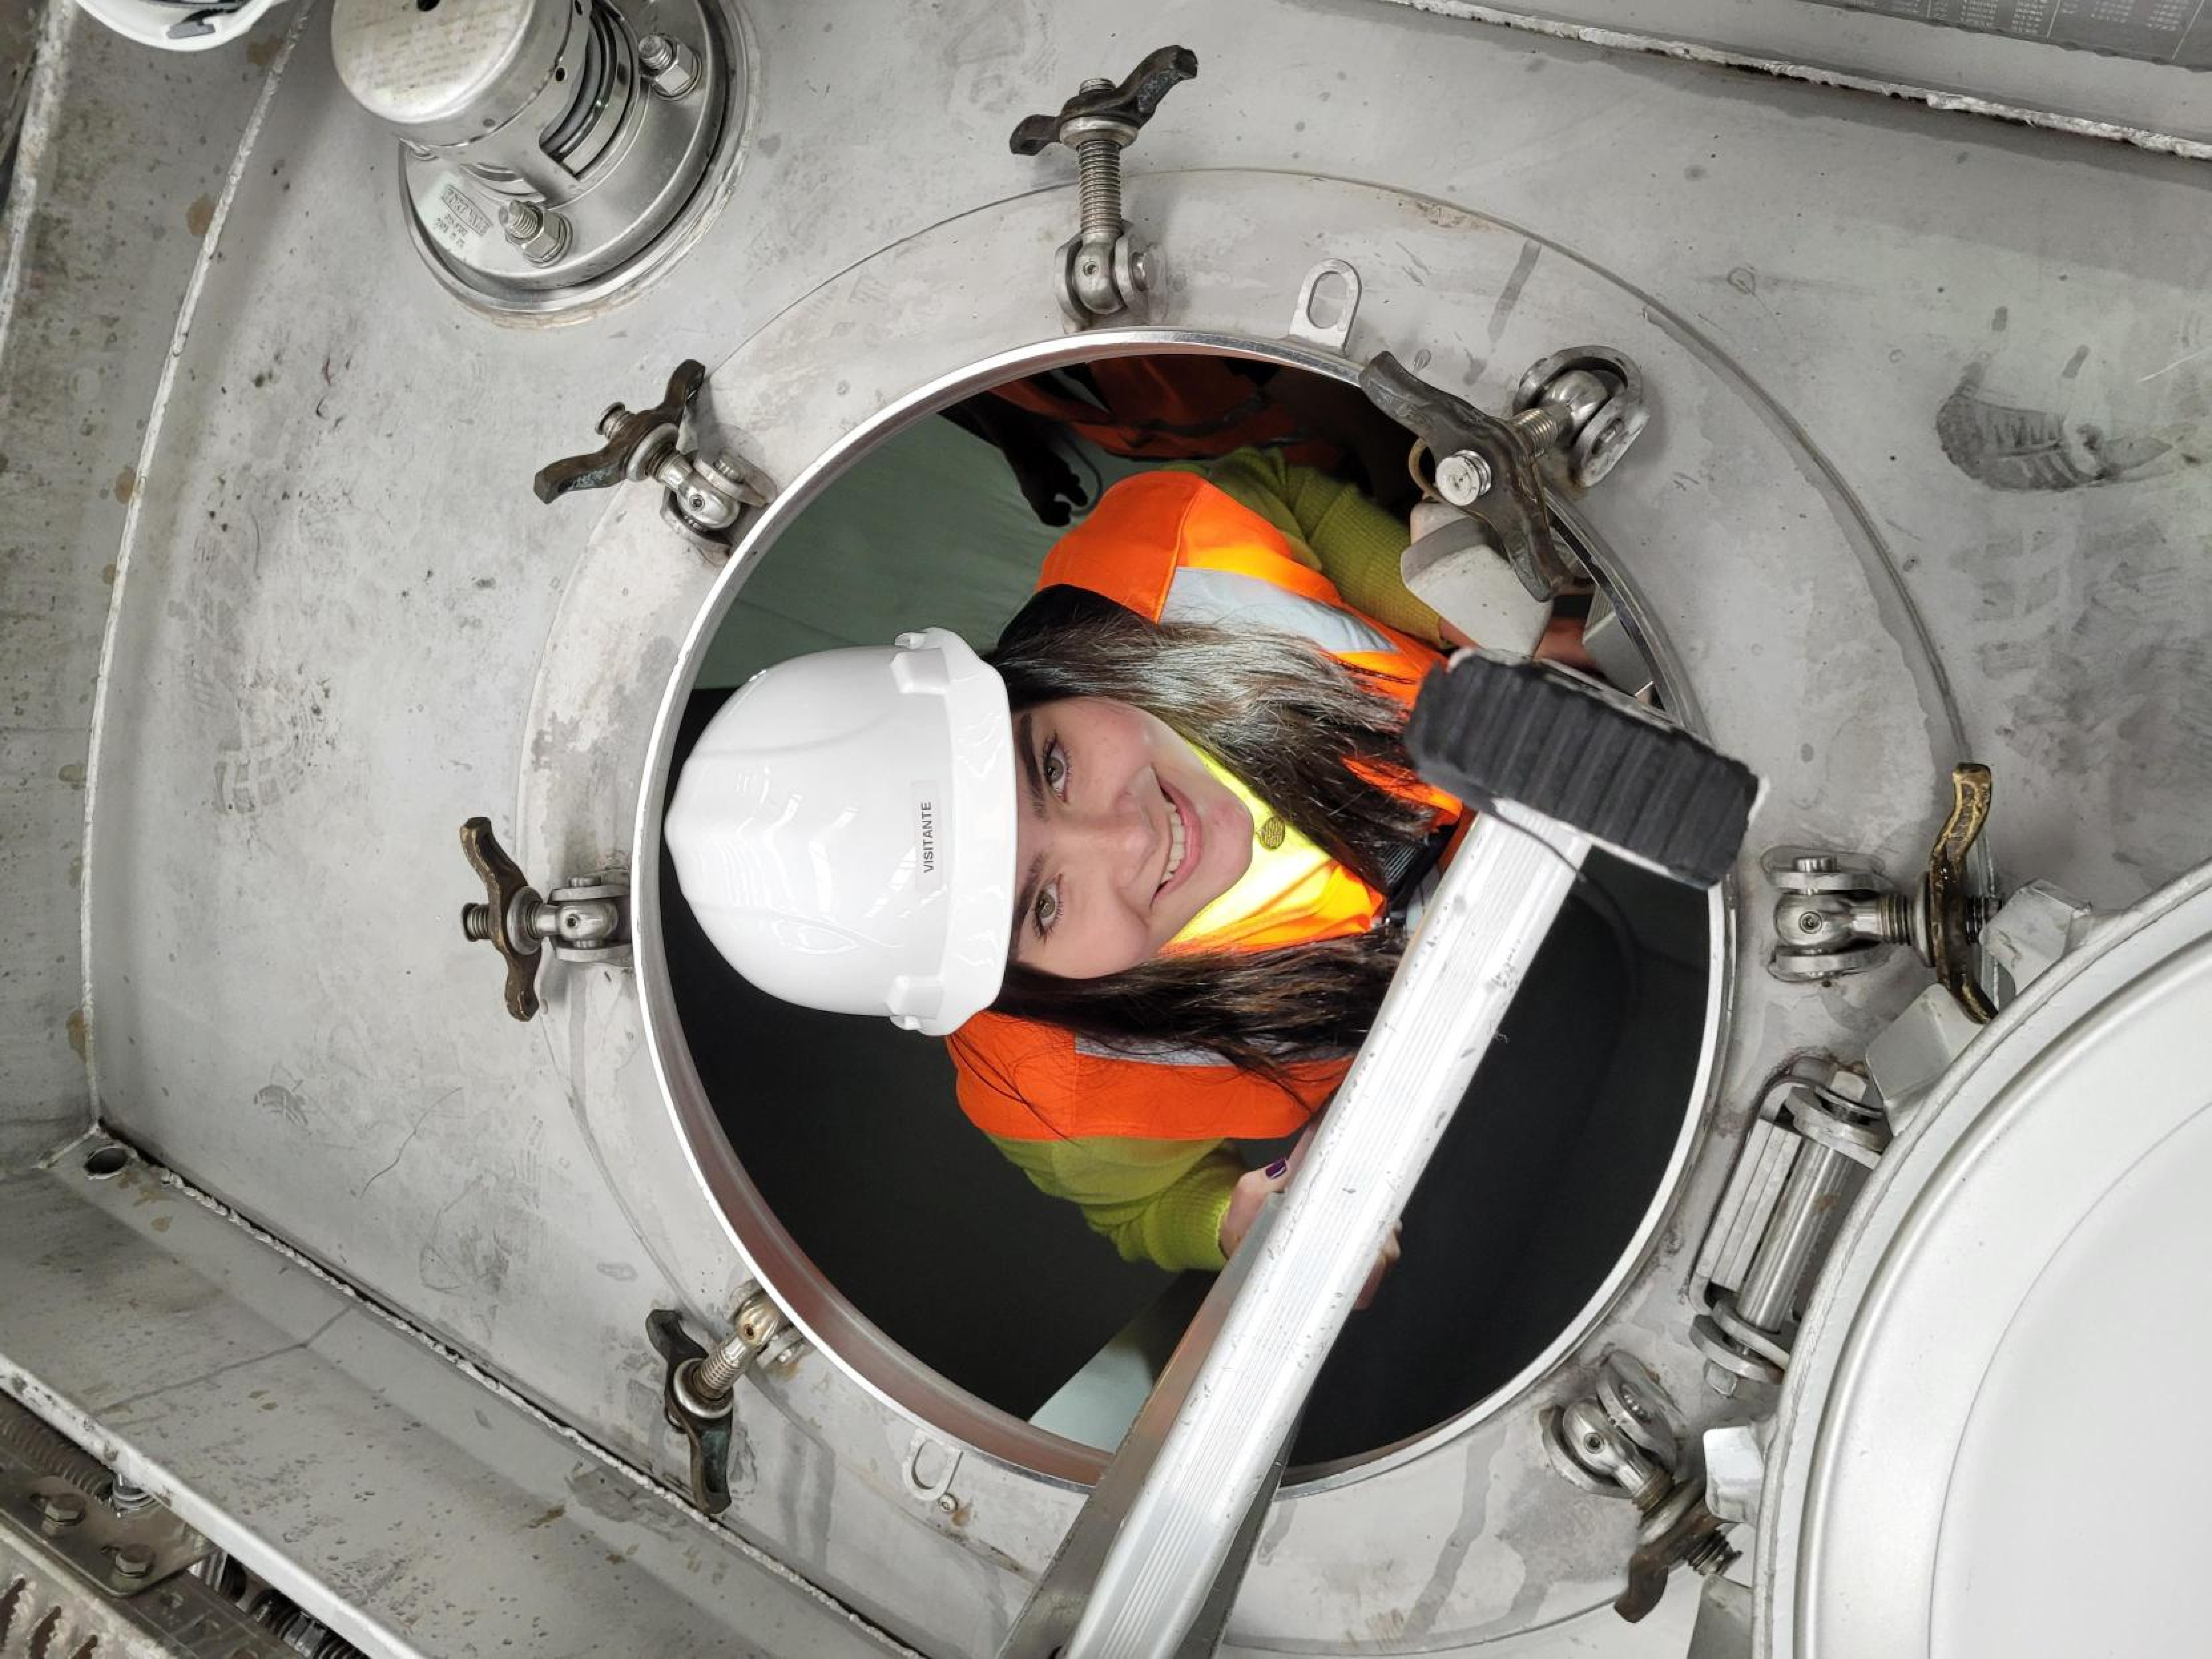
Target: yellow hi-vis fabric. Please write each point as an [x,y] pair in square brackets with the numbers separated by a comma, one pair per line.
[1291,893]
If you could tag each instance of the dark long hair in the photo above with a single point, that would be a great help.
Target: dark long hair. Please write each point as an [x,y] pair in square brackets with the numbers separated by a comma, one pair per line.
[1305,732]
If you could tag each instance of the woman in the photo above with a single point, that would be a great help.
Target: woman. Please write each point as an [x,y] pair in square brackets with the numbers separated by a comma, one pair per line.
[1148,869]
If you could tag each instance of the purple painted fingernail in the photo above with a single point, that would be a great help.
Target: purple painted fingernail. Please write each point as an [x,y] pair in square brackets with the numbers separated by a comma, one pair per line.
[1274,1170]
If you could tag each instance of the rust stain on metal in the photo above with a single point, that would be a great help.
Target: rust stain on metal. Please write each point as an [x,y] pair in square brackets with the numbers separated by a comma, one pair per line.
[76,1031]
[200,215]
[126,486]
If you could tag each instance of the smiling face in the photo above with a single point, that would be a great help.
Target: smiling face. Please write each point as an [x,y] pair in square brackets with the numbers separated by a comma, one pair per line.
[1124,836]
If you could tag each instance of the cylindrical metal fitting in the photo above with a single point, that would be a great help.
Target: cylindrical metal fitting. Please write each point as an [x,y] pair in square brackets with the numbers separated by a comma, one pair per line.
[1463,477]
[447,76]
[1803,1212]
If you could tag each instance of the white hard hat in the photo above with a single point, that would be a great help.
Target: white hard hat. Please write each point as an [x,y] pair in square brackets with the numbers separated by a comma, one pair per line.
[177,26]
[844,831]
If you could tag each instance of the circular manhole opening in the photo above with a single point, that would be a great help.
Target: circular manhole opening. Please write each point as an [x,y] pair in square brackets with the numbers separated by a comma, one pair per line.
[848,1132]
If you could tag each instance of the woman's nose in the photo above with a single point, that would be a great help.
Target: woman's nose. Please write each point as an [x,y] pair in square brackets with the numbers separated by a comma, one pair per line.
[1121,839]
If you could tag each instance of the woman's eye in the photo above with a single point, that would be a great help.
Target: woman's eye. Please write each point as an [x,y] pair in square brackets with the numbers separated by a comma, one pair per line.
[1048,909]
[1055,768]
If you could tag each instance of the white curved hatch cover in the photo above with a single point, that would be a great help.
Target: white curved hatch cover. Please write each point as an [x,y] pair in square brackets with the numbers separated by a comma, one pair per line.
[1991,1446]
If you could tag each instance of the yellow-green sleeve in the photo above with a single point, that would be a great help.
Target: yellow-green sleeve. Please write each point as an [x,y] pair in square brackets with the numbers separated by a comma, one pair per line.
[1333,527]
[1158,1201]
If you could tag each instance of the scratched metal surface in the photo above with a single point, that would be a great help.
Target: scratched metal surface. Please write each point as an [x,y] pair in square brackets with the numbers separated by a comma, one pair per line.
[1986,57]
[103,221]
[1471,301]
[411,1507]
[337,595]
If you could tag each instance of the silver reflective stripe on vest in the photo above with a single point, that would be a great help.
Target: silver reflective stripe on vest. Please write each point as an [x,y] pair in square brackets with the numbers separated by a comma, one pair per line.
[1149,1054]
[1225,597]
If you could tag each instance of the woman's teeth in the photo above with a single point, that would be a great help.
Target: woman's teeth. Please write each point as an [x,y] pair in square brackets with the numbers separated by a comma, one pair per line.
[1177,841]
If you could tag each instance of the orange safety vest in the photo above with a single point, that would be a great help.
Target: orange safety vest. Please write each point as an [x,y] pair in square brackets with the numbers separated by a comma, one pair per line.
[1024,1080]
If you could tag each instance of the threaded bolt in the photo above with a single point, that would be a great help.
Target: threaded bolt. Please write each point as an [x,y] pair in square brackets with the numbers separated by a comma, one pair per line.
[670,66]
[1098,173]
[127,1499]
[1543,427]
[540,236]
[475,921]
[133,1561]
[718,1371]
[61,1509]
[1099,164]
[758,1322]
[1714,1554]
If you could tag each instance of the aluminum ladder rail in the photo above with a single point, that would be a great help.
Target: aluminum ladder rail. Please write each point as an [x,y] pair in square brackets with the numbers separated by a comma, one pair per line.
[1146,1555]
[1151,1564]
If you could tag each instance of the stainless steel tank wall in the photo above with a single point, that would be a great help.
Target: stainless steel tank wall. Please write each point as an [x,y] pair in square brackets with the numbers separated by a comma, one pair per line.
[106,210]
[335,595]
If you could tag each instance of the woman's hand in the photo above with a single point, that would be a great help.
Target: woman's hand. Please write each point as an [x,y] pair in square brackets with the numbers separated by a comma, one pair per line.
[1252,1190]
